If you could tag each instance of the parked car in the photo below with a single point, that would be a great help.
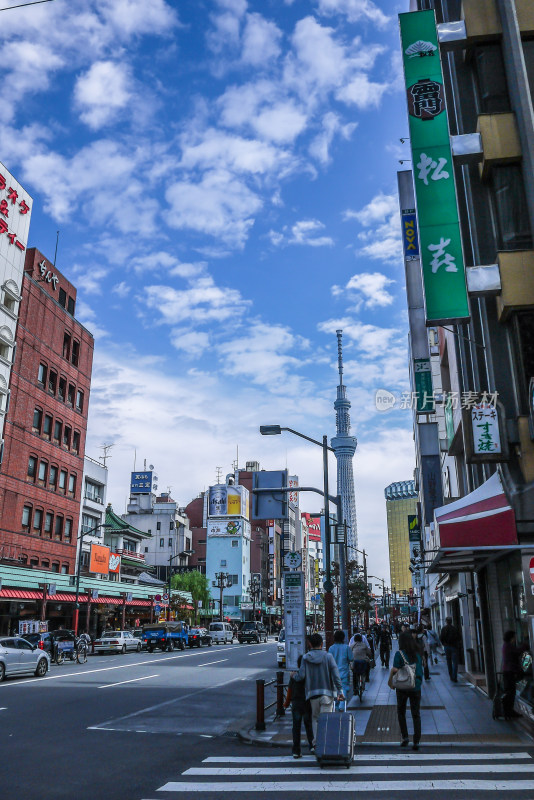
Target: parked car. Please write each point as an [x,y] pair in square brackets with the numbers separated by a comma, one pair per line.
[221,632]
[45,641]
[116,641]
[252,632]
[138,633]
[19,657]
[281,649]
[166,635]
[198,636]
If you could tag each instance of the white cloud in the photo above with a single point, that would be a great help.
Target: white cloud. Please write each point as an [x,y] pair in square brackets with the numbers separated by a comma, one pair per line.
[303,232]
[369,339]
[362,92]
[382,239]
[89,279]
[261,40]
[194,343]
[280,123]
[355,10]
[215,149]
[218,205]
[121,289]
[102,92]
[202,302]
[372,287]
[320,145]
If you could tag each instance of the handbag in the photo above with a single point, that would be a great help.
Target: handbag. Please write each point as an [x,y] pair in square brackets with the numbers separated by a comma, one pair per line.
[404,678]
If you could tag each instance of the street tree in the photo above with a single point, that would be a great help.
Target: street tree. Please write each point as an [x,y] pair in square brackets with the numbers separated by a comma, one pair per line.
[196,583]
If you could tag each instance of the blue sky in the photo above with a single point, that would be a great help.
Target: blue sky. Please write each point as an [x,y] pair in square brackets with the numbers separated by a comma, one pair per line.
[223,175]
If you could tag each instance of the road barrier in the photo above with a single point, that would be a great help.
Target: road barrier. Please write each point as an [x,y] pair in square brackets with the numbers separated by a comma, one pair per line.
[261,708]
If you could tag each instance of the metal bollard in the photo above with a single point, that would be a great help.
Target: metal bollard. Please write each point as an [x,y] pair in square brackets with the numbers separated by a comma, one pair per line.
[280,710]
[260,704]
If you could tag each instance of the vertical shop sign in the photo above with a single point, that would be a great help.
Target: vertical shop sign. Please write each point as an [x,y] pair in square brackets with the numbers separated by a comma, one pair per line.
[437,209]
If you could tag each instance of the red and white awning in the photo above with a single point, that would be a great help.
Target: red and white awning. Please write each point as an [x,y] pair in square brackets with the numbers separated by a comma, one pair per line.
[483,518]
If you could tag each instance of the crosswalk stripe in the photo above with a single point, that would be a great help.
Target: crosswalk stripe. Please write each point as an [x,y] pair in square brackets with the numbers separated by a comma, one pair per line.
[251,787]
[358,770]
[374,757]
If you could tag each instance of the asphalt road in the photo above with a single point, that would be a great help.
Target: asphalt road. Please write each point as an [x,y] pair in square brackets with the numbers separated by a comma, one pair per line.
[114,727]
[162,727]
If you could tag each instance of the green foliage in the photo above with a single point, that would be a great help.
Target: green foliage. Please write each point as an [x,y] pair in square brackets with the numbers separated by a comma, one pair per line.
[197,584]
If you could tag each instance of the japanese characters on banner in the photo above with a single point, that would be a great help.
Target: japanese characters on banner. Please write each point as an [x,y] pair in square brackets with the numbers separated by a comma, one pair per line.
[292,483]
[435,190]
[15,213]
[314,526]
[483,425]
[141,482]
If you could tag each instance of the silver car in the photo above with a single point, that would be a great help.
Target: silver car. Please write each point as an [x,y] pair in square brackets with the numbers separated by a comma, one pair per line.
[19,657]
[117,641]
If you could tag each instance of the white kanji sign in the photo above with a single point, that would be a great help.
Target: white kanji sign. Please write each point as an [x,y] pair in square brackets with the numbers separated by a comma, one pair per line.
[441,257]
[434,169]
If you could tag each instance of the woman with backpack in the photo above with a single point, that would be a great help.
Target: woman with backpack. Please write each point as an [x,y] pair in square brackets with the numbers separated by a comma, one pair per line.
[406,677]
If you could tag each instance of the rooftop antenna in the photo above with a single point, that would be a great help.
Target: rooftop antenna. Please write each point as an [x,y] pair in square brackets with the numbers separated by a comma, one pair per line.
[219,474]
[340,355]
[105,450]
[57,242]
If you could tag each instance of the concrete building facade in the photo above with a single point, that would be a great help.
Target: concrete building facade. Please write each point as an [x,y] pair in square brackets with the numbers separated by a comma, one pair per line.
[401,502]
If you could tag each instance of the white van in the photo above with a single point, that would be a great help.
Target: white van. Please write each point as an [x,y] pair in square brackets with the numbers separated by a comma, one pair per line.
[221,633]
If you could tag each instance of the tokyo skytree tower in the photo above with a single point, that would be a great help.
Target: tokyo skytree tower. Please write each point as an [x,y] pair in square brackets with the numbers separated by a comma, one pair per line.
[344,448]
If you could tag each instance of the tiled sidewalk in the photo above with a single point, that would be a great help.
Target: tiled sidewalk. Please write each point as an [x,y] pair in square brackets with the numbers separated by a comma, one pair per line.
[451,713]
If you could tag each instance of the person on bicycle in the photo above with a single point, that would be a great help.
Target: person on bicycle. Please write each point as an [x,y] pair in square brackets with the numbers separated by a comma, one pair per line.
[362,658]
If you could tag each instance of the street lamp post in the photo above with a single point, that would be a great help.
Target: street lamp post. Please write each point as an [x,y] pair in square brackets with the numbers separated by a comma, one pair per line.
[222,581]
[272,430]
[183,554]
[81,537]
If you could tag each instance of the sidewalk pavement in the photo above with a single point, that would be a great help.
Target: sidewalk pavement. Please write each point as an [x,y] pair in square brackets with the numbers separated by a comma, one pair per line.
[451,713]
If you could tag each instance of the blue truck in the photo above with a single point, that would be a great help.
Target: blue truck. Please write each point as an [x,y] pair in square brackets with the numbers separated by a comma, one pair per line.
[165,635]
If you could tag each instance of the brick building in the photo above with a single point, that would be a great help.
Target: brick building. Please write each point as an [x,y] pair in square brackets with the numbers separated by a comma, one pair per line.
[46,422]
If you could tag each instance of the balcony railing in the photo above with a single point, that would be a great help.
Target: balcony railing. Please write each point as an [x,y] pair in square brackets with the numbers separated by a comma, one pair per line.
[130,554]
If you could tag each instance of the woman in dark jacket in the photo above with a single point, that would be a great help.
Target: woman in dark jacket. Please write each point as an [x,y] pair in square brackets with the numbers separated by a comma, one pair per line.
[510,671]
[408,652]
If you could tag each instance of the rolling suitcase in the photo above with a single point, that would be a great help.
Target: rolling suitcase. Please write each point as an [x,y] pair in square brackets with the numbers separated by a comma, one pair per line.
[334,743]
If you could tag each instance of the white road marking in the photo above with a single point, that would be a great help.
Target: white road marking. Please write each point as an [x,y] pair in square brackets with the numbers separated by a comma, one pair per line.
[373,757]
[312,787]
[4,708]
[132,680]
[256,652]
[100,669]
[382,769]
[207,664]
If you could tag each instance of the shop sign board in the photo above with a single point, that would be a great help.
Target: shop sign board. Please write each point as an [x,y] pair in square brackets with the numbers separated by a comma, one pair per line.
[484,427]
[228,501]
[141,482]
[99,559]
[294,617]
[314,527]
[424,391]
[437,208]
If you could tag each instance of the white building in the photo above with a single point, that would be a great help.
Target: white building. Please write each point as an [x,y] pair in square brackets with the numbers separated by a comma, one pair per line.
[93,506]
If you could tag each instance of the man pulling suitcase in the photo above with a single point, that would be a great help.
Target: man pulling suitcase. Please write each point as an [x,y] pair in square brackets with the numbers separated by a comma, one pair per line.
[321,679]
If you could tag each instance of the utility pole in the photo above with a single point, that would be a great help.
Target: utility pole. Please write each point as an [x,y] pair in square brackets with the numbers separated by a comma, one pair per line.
[222,581]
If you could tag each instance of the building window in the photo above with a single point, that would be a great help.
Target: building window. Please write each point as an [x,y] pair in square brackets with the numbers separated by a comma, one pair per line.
[66,346]
[52,477]
[55,566]
[70,394]
[94,491]
[170,542]
[37,420]
[235,543]
[34,562]
[510,207]
[62,389]
[26,516]
[47,426]
[79,400]
[57,431]
[37,520]
[188,544]
[75,357]
[41,374]
[171,525]
[70,305]
[68,529]
[490,79]
[76,442]
[162,542]
[72,485]
[234,580]
[201,541]
[10,304]
[41,475]
[158,526]
[62,297]
[146,549]
[66,436]
[65,569]
[58,528]
[88,522]
[52,382]
[62,480]
[32,466]
[49,517]
[223,562]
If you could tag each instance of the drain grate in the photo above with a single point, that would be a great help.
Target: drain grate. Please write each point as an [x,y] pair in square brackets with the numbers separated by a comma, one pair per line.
[432,708]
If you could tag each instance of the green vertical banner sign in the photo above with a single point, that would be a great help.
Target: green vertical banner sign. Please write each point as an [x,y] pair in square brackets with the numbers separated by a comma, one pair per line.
[423,386]
[435,190]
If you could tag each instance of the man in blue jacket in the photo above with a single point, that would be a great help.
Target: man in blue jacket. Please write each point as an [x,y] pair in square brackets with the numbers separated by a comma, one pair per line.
[322,682]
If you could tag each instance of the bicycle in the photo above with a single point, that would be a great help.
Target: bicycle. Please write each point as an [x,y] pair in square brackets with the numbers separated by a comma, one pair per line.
[359,678]
[81,652]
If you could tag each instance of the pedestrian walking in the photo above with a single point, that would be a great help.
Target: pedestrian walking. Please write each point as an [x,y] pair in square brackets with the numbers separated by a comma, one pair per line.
[423,648]
[322,683]
[511,670]
[433,643]
[407,654]
[300,712]
[450,639]
[343,657]
[385,644]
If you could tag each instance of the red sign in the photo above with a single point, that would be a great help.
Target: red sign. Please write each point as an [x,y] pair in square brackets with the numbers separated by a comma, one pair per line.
[114,562]
[99,559]
[314,527]
[531,567]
